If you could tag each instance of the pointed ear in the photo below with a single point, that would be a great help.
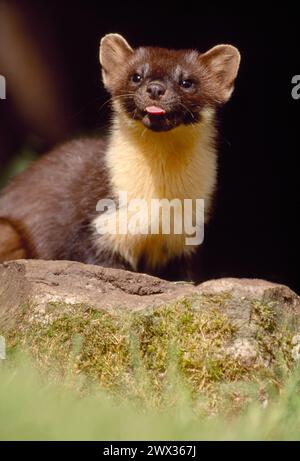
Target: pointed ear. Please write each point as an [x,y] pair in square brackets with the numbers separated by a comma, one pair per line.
[114,52]
[221,65]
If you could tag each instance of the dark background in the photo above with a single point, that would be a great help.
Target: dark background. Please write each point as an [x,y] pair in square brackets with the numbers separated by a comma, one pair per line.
[254,230]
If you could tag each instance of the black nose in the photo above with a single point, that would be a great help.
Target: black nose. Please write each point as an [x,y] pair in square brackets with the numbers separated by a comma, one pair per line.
[156,90]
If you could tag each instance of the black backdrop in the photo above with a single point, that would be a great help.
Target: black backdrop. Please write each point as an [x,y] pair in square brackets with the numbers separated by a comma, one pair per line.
[254,229]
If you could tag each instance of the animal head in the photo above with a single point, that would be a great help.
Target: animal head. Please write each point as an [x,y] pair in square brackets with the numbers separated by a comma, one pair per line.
[165,88]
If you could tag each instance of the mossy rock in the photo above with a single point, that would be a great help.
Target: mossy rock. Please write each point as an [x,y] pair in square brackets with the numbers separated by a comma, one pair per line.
[209,338]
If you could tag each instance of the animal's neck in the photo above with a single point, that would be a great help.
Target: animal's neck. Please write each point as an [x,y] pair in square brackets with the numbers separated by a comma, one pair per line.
[179,164]
[170,164]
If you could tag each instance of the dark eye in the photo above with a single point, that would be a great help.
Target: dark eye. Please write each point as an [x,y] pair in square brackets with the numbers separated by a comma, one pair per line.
[186,83]
[136,78]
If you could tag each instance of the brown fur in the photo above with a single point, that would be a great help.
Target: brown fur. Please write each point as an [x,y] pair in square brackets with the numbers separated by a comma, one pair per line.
[49,211]
[54,201]
[212,75]
[12,245]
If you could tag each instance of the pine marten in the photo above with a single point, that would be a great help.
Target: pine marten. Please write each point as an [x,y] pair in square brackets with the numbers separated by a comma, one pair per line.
[161,145]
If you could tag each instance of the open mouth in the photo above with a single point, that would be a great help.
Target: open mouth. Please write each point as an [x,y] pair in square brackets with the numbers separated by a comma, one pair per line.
[157,119]
[155,110]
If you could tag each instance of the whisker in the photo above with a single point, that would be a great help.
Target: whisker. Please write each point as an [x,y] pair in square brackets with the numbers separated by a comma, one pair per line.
[125,95]
[143,132]
[187,109]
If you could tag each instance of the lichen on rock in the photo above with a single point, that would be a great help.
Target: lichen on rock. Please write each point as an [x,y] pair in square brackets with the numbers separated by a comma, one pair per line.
[213,335]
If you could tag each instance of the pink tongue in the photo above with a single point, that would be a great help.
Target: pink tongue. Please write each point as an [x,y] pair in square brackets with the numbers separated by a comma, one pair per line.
[154,110]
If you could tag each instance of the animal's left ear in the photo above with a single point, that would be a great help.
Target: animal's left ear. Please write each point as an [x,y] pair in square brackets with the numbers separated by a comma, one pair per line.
[114,53]
[221,65]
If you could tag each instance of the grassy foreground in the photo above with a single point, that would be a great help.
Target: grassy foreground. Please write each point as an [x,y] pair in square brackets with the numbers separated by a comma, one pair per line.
[33,408]
[74,373]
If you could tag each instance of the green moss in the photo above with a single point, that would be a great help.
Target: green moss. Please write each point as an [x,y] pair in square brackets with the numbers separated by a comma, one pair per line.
[264,314]
[140,355]
[274,337]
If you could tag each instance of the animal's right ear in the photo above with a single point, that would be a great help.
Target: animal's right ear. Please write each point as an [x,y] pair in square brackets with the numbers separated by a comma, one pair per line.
[221,64]
[114,53]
